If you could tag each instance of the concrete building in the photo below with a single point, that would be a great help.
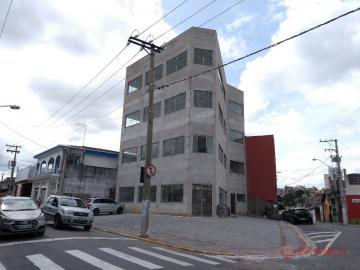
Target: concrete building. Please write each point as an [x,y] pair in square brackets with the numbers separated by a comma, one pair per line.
[353,197]
[198,145]
[71,170]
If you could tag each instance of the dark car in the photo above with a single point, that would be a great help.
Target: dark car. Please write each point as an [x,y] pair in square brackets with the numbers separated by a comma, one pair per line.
[299,215]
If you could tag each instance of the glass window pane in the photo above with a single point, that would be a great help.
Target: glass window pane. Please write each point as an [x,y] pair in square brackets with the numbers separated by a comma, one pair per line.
[235,107]
[203,56]
[129,155]
[237,167]
[156,111]
[236,136]
[210,144]
[175,103]
[134,84]
[176,63]
[158,74]
[154,150]
[132,119]
[203,99]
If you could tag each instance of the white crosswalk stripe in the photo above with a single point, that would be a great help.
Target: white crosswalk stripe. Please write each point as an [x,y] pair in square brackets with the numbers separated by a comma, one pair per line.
[187,256]
[323,241]
[318,233]
[161,257]
[220,258]
[43,262]
[2,267]
[322,235]
[92,260]
[132,259]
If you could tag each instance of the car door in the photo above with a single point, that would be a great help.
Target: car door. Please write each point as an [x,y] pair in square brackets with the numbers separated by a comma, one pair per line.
[112,205]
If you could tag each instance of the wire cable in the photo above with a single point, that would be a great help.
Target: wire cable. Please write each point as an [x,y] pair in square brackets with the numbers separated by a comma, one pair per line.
[7,14]
[262,49]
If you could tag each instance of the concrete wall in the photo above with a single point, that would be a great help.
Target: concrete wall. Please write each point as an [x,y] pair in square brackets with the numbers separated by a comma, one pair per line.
[188,168]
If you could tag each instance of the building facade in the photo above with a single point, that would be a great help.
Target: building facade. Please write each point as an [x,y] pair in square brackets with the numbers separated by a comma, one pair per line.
[70,170]
[198,131]
[353,197]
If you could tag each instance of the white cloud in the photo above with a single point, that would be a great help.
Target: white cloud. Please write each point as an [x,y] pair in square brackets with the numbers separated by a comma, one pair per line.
[232,46]
[239,22]
[303,87]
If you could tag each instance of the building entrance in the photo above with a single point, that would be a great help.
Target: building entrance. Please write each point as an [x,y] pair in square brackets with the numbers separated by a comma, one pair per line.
[202,200]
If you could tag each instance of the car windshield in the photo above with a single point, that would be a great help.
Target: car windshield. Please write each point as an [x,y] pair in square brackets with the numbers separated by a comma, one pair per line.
[18,205]
[301,211]
[72,202]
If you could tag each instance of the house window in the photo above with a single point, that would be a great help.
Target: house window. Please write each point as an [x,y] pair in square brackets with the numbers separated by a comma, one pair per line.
[202,99]
[203,57]
[237,167]
[221,154]
[171,193]
[158,74]
[132,119]
[129,155]
[240,197]
[173,146]
[203,144]
[236,136]
[156,111]
[126,194]
[154,151]
[175,103]
[176,63]
[152,193]
[236,107]
[134,84]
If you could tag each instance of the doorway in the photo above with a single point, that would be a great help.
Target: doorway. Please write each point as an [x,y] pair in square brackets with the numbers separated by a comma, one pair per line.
[202,200]
[233,203]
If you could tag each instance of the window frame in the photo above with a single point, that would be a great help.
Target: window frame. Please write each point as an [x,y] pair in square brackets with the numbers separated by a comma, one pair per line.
[134,80]
[153,156]
[130,124]
[235,104]
[123,152]
[174,141]
[208,140]
[158,74]
[232,131]
[176,61]
[200,56]
[129,196]
[156,111]
[198,99]
[172,188]
[241,167]
[172,104]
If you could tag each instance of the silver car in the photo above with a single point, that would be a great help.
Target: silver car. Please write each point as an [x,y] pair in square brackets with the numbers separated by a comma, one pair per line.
[103,205]
[64,210]
[20,215]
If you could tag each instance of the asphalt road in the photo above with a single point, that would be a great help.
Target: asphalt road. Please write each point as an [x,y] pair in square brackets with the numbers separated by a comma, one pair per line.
[73,248]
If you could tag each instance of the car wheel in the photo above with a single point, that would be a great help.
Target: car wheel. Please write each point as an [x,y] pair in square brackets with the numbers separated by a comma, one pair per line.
[120,210]
[96,212]
[87,228]
[41,233]
[57,222]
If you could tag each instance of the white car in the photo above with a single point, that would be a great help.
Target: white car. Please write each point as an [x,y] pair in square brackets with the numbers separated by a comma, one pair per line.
[103,205]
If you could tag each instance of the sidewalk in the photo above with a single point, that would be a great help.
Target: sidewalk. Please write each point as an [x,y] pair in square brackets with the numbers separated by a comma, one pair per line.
[232,236]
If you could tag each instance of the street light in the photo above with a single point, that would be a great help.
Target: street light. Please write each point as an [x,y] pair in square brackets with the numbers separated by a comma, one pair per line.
[13,107]
[314,159]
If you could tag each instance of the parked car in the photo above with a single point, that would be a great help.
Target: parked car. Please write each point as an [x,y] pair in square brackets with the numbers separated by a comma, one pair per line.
[20,215]
[103,205]
[64,210]
[300,215]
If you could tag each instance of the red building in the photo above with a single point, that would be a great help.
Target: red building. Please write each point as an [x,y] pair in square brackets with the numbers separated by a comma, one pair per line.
[353,197]
[261,173]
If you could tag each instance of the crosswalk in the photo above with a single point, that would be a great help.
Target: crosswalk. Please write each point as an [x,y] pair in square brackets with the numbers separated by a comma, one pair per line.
[323,237]
[147,258]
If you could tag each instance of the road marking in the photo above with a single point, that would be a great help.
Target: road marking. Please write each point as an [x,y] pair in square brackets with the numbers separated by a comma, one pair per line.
[187,256]
[2,267]
[220,258]
[161,257]
[43,262]
[322,241]
[329,244]
[65,238]
[323,235]
[333,232]
[92,260]
[132,259]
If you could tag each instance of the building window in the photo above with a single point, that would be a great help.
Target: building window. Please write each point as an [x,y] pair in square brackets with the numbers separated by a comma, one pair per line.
[236,136]
[222,196]
[156,111]
[237,167]
[152,193]
[203,144]
[176,63]
[158,74]
[236,107]
[175,103]
[173,146]
[221,154]
[221,119]
[129,155]
[171,193]
[221,81]
[240,197]
[132,119]
[126,194]
[134,84]
[154,151]
[225,161]
[202,99]
[203,57]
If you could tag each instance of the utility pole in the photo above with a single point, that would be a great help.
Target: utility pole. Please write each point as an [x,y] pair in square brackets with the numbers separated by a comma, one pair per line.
[13,164]
[337,160]
[151,49]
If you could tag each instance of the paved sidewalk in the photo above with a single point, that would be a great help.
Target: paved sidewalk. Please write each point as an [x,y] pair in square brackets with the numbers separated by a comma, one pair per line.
[233,235]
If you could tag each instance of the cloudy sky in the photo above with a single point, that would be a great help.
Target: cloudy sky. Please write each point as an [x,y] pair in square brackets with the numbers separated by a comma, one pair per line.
[302,91]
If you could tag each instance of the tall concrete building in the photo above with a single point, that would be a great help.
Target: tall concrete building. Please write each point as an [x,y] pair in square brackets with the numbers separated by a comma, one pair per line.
[198,141]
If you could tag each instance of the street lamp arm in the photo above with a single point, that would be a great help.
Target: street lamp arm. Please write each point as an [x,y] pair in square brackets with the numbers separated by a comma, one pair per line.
[314,159]
[14,107]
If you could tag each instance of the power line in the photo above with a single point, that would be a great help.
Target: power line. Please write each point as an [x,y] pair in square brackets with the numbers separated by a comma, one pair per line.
[221,13]
[7,14]
[187,18]
[261,50]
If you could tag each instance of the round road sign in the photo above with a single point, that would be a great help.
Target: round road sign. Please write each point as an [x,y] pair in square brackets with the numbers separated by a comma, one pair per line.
[150,170]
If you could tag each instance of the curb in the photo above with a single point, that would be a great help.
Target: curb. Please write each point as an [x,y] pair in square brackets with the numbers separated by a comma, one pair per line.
[269,255]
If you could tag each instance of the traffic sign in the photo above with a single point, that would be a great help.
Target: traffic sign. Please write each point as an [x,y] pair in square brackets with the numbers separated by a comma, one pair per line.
[150,170]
